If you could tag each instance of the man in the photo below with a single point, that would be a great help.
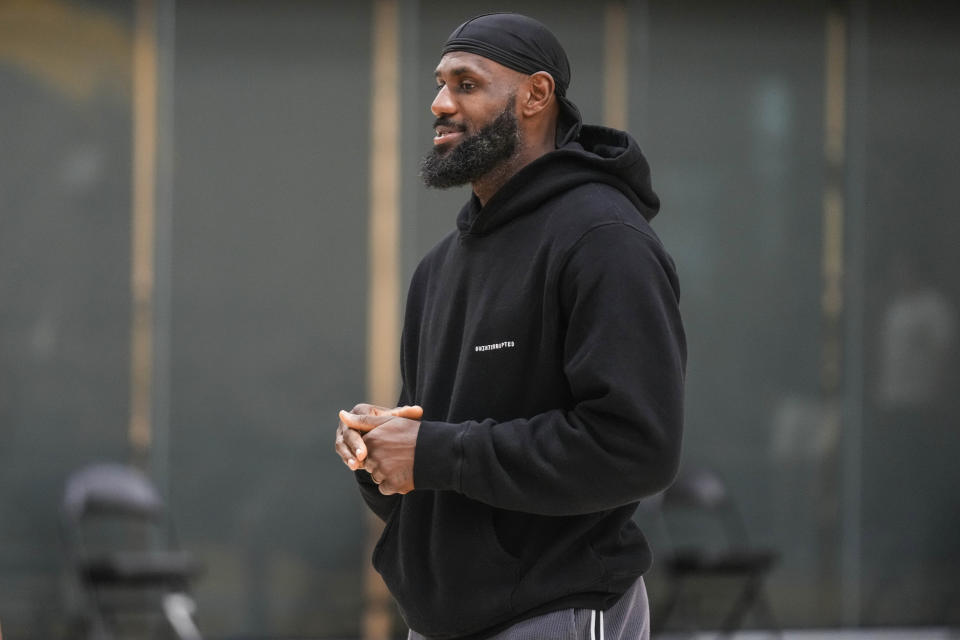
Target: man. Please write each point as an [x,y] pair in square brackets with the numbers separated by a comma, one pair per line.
[542,364]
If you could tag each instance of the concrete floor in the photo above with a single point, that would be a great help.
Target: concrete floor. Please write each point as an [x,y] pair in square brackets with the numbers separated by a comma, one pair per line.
[827,634]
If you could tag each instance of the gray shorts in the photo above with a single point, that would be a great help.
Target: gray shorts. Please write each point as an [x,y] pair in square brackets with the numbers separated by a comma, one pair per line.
[628,619]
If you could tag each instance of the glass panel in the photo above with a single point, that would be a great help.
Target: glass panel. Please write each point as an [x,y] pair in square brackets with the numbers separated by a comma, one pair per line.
[732,125]
[911,508]
[64,280]
[269,313]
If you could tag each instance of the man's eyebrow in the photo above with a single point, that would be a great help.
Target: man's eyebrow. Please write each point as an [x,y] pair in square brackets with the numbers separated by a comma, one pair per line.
[458,71]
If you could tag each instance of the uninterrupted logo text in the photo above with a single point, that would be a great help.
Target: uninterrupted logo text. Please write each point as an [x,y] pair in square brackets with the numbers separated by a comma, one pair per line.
[506,344]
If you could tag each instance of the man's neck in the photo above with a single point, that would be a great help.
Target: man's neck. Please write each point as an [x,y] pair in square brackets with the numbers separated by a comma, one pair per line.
[486,186]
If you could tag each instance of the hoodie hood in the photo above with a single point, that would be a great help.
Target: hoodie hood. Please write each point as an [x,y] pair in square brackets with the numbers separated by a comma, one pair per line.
[597,155]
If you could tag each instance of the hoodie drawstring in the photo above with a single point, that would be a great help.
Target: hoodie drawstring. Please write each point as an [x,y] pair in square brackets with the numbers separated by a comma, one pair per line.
[596,625]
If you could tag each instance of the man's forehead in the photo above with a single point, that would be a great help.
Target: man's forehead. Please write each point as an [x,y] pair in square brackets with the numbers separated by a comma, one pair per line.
[457,62]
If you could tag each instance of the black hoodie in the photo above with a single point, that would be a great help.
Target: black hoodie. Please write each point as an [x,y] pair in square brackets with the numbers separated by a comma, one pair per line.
[543,341]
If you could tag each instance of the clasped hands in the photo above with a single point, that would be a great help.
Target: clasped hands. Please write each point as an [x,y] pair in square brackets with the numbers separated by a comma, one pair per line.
[382,442]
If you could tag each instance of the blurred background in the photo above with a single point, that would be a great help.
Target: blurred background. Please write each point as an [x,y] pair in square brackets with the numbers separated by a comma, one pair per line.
[186,195]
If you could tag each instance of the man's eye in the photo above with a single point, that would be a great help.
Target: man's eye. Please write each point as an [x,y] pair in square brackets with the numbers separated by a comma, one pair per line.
[467,86]
[438,87]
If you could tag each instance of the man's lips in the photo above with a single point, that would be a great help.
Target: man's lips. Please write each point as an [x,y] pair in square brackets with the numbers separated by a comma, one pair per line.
[445,138]
[444,134]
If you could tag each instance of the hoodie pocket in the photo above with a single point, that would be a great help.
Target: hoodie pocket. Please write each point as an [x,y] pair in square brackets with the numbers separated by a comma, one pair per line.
[441,559]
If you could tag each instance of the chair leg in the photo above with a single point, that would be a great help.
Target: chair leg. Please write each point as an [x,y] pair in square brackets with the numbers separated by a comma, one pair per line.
[765,612]
[662,614]
[749,593]
[99,628]
[179,609]
[674,603]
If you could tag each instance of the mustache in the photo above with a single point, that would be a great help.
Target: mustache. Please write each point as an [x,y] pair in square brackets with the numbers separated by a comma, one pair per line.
[447,122]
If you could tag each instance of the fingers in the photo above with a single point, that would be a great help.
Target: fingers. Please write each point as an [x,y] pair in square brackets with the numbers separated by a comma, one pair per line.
[350,447]
[363,418]
[356,445]
[385,487]
[363,409]
[380,480]
[411,413]
[363,422]
[390,485]
[349,443]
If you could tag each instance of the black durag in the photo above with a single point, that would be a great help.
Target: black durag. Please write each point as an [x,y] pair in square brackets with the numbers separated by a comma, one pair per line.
[525,45]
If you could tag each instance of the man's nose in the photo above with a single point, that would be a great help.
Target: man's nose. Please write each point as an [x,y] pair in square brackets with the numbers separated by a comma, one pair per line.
[443,104]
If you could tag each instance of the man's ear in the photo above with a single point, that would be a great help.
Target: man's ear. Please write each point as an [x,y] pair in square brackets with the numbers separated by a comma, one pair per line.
[539,94]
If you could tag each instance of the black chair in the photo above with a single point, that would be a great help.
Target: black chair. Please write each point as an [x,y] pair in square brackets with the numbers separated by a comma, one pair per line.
[699,501]
[128,570]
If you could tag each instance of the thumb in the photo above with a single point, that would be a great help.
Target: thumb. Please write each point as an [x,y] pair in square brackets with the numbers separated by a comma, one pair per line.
[411,413]
[361,423]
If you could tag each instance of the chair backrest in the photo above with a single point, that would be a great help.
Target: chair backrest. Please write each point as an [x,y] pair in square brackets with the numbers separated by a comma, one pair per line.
[108,507]
[704,511]
[109,488]
[699,488]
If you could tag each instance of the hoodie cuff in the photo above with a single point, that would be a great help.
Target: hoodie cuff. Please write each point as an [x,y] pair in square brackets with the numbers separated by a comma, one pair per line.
[439,456]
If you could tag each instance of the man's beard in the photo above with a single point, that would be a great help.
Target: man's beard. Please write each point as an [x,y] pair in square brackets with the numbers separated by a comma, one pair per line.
[475,156]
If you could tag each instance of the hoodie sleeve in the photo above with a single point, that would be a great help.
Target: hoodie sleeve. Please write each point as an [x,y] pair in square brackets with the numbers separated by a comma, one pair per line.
[624,360]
